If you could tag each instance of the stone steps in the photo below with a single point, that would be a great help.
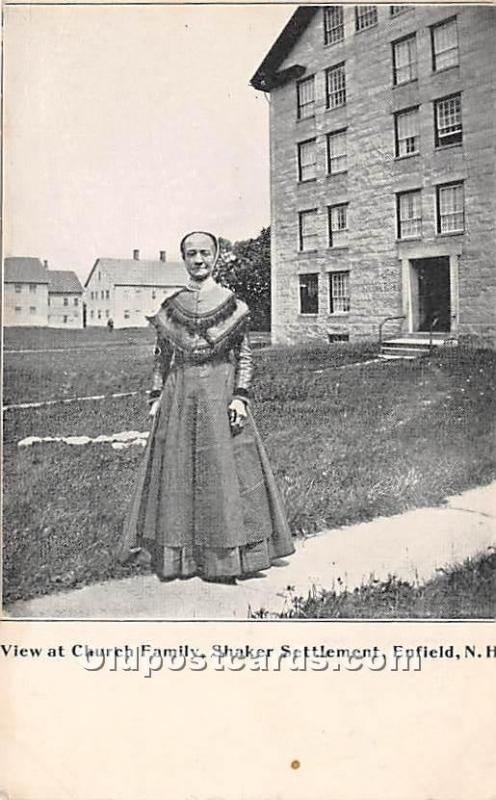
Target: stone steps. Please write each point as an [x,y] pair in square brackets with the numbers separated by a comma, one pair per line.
[396,357]
[412,345]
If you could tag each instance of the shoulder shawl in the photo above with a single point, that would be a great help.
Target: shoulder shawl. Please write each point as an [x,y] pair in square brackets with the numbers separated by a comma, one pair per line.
[215,323]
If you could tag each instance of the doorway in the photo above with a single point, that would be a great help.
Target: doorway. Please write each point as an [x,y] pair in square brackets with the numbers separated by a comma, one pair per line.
[431,279]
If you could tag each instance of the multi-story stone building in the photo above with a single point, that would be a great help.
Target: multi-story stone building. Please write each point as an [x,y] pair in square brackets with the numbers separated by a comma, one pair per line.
[124,290]
[65,299]
[382,171]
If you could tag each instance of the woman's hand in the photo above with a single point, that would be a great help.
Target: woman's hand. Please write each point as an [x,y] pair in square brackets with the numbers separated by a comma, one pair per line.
[154,408]
[237,415]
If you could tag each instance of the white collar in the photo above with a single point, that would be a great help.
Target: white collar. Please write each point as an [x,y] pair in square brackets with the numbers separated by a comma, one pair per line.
[208,283]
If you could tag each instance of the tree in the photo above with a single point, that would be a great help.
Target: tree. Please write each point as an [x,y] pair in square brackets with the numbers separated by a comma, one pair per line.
[245,268]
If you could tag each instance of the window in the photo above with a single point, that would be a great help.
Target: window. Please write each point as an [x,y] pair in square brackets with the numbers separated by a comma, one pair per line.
[127,314]
[333,24]
[338,225]
[91,295]
[154,294]
[18,288]
[444,40]
[76,301]
[448,121]
[64,319]
[32,288]
[404,60]
[107,313]
[66,301]
[395,10]
[365,17]
[107,294]
[308,231]
[99,314]
[32,309]
[450,208]
[335,86]
[305,93]
[99,275]
[406,130]
[309,293]
[102,294]
[338,337]
[92,313]
[409,211]
[18,309]
[307,160]
[337,158]
[339,292]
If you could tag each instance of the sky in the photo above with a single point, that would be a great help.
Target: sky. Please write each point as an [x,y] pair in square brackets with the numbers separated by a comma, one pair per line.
[125,127]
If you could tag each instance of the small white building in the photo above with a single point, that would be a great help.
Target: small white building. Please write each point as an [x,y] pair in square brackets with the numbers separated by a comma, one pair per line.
[124,290]
[26,283]
[65,300]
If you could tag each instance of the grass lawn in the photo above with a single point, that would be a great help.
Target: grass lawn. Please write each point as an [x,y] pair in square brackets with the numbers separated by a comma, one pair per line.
[347,443]
[20,338]
[95,362]
[465,591]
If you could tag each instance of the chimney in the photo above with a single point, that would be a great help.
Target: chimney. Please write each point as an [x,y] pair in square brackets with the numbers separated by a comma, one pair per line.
[163,255]
[136,255]
[45,264]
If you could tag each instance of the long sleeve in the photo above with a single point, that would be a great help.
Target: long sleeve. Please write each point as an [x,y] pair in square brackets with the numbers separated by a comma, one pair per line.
[162,356]
[244,369]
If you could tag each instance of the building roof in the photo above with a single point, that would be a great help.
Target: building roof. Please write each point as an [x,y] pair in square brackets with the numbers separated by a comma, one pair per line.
[64,281]
[24,269]
[138,272]
[267,75]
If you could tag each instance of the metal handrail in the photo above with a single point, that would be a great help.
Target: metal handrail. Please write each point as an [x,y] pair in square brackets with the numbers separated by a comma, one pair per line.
[432,325]
[388,319]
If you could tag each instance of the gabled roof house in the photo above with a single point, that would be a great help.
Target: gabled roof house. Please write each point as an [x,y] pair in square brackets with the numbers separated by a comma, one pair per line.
[125,290]
[25,291]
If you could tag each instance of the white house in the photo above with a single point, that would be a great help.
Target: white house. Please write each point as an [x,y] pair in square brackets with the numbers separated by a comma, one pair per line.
[26,283]
[65,300]
[126,289]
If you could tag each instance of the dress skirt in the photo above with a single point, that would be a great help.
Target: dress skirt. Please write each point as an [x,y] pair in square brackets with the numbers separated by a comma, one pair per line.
[205,501]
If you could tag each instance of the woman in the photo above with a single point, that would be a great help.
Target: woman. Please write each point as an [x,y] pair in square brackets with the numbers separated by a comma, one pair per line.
[205,502]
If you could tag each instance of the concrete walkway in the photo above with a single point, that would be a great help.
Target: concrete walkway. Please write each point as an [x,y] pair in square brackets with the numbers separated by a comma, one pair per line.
[411,546]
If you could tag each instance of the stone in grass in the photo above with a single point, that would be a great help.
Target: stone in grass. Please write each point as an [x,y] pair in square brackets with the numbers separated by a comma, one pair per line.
[65,579]
[28,441]
[76,439]
[124,445]
[127,436]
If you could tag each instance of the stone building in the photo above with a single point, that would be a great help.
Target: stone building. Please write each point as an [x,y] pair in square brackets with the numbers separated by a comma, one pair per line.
[65,299]
[126,289]
[25,292]
[382,171]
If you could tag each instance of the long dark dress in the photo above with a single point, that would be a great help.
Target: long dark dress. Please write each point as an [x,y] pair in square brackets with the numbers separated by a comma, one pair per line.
[205,501]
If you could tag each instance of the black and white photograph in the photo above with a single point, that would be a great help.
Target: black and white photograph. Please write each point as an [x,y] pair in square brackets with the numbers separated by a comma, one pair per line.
[248,401]
[249,323]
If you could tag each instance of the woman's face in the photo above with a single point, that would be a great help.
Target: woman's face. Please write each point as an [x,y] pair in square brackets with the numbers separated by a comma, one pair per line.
[199,256]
